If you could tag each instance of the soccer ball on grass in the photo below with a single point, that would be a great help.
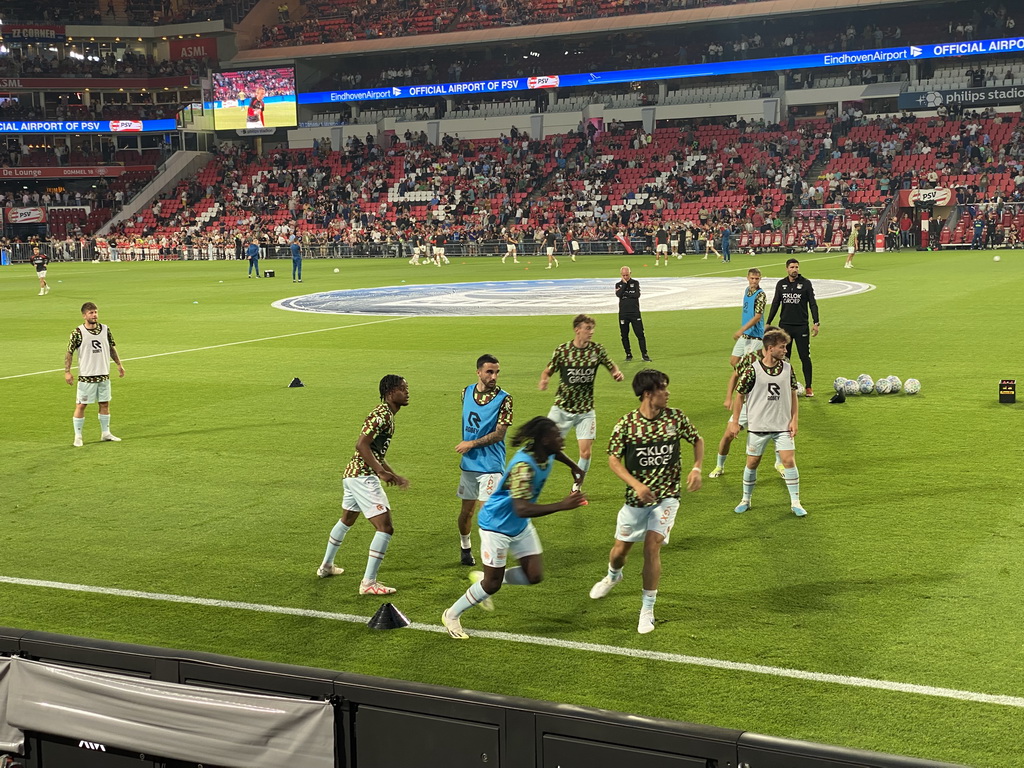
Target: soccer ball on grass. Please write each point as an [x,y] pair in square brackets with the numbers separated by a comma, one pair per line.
[912,386]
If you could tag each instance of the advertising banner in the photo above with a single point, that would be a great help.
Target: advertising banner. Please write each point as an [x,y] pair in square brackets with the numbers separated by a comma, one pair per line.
[196,48]
[88,126]
[25,215]
[75,172]
[33,33]
[967,97]
[940,196]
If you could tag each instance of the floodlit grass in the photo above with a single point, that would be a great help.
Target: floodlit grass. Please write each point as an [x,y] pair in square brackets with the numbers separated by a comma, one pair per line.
[227,484]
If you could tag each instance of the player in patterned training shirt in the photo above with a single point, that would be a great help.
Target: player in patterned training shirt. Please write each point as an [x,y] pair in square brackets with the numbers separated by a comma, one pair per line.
[39,261]
[742,365]
[577,362]
[768,390]
[254,112]
[361,482]
[486,416]
[95,345]
[505,520]
[644,453]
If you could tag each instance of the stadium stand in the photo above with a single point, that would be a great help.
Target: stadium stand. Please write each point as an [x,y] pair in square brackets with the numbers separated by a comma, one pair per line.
[753,38]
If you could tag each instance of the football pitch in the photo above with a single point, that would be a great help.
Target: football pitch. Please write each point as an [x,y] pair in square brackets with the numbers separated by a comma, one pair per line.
[889,618]
[275,114]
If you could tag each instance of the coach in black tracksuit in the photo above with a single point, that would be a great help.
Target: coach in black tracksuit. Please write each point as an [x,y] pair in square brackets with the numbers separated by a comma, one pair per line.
[794,295]
[628,292]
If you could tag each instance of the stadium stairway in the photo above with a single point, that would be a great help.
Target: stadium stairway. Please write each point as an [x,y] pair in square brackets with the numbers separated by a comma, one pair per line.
[180,165]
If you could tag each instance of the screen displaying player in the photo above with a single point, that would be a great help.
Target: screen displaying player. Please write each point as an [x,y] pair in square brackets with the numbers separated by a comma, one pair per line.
[254,98]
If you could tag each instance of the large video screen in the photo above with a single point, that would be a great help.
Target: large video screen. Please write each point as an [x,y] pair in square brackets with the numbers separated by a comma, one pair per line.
[254,98]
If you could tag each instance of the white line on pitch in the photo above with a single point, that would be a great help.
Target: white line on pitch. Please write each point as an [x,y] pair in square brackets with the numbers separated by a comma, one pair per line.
[611,650]
[228,344]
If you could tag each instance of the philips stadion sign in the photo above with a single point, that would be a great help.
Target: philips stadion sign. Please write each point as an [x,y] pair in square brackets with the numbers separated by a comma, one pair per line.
[968,97]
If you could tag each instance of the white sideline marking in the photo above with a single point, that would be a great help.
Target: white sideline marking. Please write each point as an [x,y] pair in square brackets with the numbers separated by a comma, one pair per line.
[673,658]
[228,344]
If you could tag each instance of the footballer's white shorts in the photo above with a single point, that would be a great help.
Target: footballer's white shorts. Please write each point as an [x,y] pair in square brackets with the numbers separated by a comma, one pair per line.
[574,244]
[661,248]
[743,415]
[674,244]
[756,443]
[510,248]
[93,392]
[41,273]
[550,251]
[478,485]
[496,547]
[851,249]
[364,494]
[633,523]
[745,344]
[585,423]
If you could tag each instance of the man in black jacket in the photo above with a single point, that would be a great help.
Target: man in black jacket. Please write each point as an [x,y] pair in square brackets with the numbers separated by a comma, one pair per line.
[794,295]
[628,292]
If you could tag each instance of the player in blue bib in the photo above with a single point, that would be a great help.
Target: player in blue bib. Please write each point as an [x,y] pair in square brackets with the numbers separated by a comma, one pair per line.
[749,338]
[505,519]
[486,416]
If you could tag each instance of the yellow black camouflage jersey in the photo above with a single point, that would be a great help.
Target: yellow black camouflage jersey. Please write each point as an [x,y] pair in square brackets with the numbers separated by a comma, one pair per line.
[577,369]
[649,450]
[380,427]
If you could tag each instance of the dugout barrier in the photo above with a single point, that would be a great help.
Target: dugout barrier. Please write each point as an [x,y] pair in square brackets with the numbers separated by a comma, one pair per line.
[70,702]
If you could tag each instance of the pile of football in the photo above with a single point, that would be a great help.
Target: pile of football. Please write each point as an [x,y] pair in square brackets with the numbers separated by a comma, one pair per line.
[865,385]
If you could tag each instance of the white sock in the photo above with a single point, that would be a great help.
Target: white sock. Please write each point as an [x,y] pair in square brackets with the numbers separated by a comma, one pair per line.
[79,423]
[649,596]
[466,541]
[104,423]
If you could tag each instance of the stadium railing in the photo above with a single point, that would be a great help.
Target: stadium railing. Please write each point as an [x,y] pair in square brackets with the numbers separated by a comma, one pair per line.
[113,697]
[86,249]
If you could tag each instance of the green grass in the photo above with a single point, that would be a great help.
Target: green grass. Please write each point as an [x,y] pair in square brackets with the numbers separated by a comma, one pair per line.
[276,113]
[227,483]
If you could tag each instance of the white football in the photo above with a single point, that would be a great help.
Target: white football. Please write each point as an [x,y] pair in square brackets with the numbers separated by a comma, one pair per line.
[800,389]
[912,386]
[897,385]
[851,387]
[867,386]
[883,386]
[838,384]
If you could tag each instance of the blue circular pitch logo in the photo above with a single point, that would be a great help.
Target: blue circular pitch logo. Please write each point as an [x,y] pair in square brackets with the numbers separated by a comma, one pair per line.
[542,297]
